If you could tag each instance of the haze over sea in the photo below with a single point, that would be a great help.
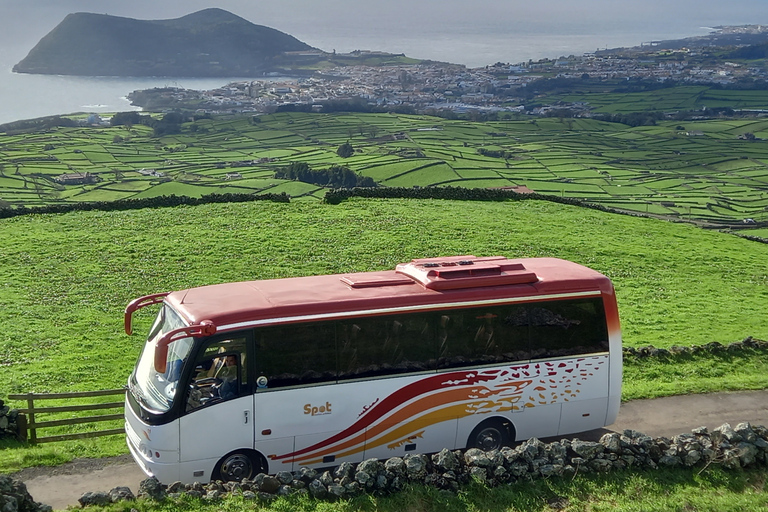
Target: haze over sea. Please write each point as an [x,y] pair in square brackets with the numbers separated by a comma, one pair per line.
[474,33]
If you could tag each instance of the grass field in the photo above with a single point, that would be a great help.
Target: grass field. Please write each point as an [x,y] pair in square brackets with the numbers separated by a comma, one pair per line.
[702,171]
[658,491]
[67,279]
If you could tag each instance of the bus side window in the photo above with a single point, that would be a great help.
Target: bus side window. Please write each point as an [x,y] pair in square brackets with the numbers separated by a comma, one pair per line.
[483,336]
[568,327]
[386,345]
[296,354]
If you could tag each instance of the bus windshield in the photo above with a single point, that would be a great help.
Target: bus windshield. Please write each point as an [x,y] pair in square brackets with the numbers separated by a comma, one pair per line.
[156,390]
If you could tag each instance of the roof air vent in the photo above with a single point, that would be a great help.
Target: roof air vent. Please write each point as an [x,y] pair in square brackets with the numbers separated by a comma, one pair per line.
[457,272]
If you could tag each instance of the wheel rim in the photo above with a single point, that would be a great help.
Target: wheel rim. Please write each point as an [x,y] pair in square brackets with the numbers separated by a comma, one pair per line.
[489,439]
[236,467]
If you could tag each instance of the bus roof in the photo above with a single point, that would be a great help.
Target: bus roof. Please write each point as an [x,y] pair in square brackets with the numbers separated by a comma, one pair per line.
[422,283]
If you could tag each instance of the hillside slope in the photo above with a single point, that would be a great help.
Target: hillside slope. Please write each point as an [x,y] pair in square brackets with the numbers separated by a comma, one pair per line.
[211,42]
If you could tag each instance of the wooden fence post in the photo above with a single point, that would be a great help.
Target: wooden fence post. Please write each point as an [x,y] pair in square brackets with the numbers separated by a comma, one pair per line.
[31,407]
[21,427]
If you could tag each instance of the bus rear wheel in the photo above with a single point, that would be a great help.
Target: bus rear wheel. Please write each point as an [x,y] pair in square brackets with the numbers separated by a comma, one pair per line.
[491,434]
[237,466]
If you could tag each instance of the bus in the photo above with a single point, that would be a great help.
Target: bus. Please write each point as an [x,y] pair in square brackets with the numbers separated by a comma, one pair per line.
[263,376]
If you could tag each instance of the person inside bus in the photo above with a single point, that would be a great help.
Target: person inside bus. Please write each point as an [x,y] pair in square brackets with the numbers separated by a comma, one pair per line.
[229,377]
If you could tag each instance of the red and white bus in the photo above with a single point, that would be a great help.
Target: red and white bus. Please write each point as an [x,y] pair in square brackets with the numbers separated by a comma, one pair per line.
[264,376]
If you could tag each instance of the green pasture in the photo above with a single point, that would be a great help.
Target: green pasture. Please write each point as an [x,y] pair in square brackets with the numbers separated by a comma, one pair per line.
[605,163]
[685,98]
[67,279]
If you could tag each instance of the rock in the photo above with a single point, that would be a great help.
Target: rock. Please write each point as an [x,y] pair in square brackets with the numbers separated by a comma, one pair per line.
[326,479]
[265,497]
[731,460]
[747,453]
[307,474]
[286,490]
[475,457]
[670,460]
[233,487]
[416,466]
[479,474]
[587,449]
[364,479]
[395,465]
[269,484]
[725,432]
[745,431]
[284,477]
[353,488]
[121,494]
[317,489]
[99,499]
[611,442]
[345,469]
[531,449]
[212,495]
[446,460]
[151,488]
[600,465]
[548,470]
[176,487]
[214,486]
[518,468]
[692,458]
[370,466]
[381,481]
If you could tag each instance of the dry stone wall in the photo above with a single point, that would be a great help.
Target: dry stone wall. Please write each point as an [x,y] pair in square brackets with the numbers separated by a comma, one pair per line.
[15,498]
[739,447]
[8,419]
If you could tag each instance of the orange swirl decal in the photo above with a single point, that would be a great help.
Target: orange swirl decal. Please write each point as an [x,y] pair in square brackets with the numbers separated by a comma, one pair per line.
[404,415]
[405,394]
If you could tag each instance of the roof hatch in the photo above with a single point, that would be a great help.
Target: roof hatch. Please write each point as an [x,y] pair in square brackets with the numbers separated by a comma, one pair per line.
[456,272]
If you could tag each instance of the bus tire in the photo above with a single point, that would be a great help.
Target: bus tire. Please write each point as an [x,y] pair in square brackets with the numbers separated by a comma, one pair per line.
[239,465]
[491,434]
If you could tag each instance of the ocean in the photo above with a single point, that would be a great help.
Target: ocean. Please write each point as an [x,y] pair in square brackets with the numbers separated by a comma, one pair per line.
[475,34]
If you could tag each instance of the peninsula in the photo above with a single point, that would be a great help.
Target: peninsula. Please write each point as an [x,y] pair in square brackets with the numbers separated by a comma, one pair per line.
[207,43]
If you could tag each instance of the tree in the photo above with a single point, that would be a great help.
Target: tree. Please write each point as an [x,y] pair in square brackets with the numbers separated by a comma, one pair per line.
[345,150]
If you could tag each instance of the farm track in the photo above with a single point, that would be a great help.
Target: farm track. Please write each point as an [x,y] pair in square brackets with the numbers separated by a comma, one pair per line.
[61,486]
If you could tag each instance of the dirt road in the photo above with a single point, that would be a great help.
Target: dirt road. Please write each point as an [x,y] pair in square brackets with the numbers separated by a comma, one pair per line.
[61,486]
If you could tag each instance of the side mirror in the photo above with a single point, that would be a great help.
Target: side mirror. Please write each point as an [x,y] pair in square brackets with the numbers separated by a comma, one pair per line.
[139,303]
[204,328]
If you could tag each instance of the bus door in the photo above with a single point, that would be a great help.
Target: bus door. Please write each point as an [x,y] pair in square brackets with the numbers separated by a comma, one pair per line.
[218,417]
[296,405]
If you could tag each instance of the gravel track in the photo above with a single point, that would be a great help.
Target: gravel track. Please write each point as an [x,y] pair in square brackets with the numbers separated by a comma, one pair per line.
[61,486]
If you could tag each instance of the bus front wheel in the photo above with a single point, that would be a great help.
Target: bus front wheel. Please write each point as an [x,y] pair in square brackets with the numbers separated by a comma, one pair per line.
[491,434]
[239,465]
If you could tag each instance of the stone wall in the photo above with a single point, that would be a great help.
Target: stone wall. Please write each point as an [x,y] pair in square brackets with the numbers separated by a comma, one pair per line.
[748,343]
[15,498]
[732,448]
[8,418]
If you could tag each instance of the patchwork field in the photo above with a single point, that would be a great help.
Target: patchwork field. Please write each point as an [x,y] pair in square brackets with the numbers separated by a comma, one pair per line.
[710,171]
